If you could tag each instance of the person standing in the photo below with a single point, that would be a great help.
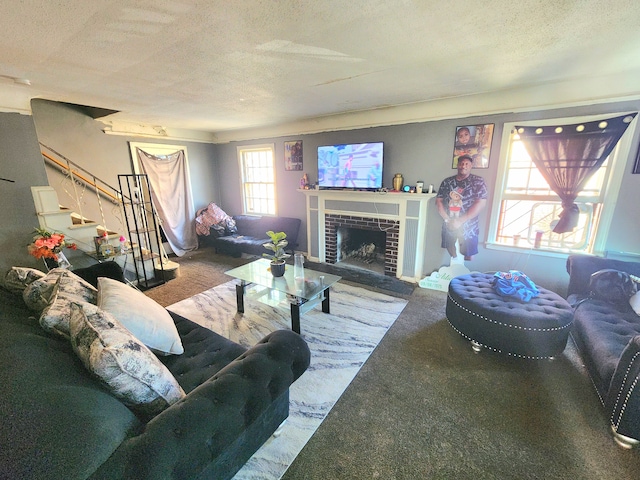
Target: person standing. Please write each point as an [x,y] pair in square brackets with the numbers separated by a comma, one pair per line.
[461,223]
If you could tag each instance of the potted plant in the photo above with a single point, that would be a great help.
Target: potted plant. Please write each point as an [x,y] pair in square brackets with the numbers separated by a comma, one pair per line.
[276,245]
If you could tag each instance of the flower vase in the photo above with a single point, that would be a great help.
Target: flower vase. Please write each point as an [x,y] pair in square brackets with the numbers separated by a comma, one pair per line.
[62,262]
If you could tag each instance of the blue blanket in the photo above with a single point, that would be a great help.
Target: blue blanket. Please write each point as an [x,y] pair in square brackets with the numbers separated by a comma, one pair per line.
[515,283]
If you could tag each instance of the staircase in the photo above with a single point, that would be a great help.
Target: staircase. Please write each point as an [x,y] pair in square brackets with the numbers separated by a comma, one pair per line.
[139,265]
[56,218]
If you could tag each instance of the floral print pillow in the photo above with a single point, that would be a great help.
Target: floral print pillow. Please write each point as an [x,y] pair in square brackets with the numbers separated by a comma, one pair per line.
[69,288]
[129,369]
[18,278]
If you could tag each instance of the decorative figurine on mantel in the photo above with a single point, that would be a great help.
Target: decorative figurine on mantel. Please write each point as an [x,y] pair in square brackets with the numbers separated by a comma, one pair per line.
[304,182]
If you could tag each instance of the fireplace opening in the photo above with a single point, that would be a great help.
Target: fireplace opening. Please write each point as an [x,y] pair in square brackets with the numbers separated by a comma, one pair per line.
[361,248]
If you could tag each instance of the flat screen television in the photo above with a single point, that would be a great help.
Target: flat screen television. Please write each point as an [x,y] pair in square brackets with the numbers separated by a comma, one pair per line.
[356,166]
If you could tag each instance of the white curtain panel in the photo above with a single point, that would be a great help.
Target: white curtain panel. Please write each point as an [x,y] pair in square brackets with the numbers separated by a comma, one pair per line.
[171,195]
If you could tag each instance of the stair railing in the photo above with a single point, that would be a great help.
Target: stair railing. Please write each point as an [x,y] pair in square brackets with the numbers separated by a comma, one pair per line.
[78,175]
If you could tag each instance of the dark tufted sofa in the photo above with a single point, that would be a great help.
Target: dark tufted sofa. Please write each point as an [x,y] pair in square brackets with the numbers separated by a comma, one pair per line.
[607,335]
[252,234]
[59,422]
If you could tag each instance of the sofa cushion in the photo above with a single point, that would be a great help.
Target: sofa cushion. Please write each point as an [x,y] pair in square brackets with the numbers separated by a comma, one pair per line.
[57,421]
[17,278]
[205,353]
[613,286]
[68,288]
[145,318]
[37,295]
[602,333]
[132,372]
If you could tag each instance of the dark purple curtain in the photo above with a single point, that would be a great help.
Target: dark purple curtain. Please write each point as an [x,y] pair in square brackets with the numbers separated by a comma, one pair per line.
[568,155]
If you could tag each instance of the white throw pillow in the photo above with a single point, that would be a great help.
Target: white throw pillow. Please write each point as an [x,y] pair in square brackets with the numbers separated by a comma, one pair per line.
[141,315]
[634,301]
[130,370]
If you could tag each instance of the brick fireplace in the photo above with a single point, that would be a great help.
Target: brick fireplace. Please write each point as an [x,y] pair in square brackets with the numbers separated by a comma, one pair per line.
[390,227]
[403,217]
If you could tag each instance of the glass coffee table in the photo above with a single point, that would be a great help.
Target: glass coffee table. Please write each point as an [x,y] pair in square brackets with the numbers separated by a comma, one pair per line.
[302,293]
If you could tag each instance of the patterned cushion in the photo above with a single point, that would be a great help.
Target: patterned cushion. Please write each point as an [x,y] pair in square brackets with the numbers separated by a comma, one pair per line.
[611,286]
[37,295]
[17,278]
[129,369]
[141,315]
[69,288]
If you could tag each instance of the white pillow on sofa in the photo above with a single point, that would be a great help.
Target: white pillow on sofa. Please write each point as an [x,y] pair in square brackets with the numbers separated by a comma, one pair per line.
[132,373]
[141,315]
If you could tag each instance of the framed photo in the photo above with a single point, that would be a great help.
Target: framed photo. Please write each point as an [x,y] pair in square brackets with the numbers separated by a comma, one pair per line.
[293,155]
[475,141]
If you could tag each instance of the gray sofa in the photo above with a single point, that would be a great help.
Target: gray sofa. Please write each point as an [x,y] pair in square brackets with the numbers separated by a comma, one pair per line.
[606,331]
[252,234]
[59,421]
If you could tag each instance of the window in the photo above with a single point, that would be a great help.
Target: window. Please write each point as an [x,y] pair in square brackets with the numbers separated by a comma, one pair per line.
[526,206]
[257,174]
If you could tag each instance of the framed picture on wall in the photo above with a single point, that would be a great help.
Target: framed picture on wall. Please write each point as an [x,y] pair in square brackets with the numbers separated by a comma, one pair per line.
[293,155]
[475,141]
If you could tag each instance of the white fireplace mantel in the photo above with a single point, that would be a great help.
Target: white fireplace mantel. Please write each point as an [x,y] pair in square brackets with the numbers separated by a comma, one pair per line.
[409,209]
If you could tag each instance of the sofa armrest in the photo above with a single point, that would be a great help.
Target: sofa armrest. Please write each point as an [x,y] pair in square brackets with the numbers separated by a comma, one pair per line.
[181,441]
[623,397]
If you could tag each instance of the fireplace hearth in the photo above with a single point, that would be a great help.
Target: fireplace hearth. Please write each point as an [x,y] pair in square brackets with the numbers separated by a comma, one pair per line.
[364,231]
[400,217]
[361,248]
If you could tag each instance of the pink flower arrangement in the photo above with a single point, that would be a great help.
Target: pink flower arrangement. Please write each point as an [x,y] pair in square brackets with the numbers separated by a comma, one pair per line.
[48,244]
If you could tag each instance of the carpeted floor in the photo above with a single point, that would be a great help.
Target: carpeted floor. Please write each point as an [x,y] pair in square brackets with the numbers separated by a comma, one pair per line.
[424,406]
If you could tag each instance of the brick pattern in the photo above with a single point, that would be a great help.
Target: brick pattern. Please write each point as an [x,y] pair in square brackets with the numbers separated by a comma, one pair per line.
[390,227]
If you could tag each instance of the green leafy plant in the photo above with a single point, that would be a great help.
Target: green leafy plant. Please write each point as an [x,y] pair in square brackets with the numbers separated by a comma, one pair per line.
[276,245]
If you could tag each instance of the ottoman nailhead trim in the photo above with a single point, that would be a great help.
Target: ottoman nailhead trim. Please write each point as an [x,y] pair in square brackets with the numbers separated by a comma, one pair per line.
[615,423]
[497,349]
[507,324]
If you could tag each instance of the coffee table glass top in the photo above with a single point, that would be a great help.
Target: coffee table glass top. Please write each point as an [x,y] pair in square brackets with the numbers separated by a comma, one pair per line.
[259,272]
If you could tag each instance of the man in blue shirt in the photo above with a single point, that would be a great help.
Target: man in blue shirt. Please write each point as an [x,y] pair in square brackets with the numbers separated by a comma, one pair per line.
[461,222]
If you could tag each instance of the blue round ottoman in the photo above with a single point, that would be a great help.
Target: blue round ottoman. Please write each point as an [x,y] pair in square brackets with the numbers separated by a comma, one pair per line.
[536,329]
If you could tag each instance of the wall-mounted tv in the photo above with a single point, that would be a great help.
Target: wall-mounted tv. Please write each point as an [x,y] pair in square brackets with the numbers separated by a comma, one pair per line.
[355,166]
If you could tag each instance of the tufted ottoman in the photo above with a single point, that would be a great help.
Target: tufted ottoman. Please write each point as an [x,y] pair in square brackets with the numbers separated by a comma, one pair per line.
[535,329]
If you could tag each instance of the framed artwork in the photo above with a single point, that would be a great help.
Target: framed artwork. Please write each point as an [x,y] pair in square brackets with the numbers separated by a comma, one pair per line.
[293,155]
[475,141]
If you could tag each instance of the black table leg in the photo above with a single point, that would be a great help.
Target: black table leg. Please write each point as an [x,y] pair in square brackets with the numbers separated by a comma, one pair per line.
[325,301]
[295,317]
[240,297]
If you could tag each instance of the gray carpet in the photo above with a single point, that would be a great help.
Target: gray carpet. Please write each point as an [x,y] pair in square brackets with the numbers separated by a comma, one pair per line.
[425,406]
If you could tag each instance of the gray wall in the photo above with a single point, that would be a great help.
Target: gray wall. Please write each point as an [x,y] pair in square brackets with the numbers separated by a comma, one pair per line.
[423,151]
[420,151]
[72,133]
[20,160]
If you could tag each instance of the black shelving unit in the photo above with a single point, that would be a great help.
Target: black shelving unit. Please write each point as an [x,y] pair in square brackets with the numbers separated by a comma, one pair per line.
[143,228]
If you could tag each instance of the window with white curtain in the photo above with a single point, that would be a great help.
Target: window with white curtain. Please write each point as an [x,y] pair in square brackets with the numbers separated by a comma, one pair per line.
[524,205]
[257,175]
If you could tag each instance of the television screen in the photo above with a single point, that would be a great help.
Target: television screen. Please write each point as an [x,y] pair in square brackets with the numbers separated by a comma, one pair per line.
[357,166]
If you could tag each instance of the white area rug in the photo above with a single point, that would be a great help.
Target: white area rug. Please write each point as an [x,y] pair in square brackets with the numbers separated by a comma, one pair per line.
[340,343]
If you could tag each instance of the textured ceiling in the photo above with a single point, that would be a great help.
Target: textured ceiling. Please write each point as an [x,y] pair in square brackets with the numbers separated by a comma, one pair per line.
[227,67]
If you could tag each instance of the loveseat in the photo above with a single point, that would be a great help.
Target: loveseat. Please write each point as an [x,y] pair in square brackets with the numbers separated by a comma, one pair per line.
[60,421]
[606,331]
[251,234]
